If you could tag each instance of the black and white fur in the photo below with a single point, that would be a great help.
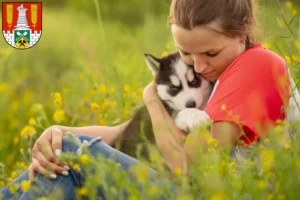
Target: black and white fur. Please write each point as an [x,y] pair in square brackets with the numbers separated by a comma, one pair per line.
[181,91]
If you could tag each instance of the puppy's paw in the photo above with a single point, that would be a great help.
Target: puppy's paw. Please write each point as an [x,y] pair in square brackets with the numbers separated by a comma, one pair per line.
[190,118]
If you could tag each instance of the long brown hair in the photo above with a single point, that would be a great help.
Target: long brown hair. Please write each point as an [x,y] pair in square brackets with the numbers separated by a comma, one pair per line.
[235,17]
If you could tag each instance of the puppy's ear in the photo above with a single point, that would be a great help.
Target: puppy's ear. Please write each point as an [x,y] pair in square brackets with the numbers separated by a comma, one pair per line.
[153,63]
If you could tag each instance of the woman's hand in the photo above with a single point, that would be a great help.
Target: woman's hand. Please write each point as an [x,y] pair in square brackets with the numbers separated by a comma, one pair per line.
[44,160]
[150,93]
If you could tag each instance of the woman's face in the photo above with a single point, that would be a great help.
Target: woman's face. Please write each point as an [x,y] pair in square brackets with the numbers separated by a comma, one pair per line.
[207,50]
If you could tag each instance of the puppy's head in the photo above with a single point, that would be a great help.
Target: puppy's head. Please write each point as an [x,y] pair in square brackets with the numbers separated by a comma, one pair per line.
[178,85]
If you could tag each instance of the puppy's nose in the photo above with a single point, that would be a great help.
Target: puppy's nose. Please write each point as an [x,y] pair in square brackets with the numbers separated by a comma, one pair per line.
[190,104]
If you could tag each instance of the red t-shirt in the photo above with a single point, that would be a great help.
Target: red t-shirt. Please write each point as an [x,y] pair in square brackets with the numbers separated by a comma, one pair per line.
[251,92]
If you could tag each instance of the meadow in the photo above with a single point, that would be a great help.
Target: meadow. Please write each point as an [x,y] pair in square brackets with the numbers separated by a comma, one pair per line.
[89,69]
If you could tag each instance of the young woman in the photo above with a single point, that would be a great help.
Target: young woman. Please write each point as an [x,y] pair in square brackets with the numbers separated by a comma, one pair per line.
[217,38]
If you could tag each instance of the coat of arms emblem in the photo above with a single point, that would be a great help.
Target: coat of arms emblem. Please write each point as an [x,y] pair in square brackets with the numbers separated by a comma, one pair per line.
[22,23]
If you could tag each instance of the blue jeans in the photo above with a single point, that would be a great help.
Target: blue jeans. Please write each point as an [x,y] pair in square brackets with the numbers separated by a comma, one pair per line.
[48,187]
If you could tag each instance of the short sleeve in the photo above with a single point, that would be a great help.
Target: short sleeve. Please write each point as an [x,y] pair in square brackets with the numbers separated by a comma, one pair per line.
[251,92]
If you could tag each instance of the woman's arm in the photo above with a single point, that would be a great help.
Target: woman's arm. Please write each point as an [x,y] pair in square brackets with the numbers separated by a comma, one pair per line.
[168,137]
[108,134]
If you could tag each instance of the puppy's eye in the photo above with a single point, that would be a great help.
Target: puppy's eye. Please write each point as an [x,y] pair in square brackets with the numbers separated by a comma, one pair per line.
[194,82]
[174,88]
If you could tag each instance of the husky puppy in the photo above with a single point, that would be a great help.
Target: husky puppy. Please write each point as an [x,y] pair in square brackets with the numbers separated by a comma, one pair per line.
[178,86]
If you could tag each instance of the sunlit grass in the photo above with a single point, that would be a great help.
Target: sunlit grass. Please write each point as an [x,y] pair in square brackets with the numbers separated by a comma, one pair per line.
[81,74]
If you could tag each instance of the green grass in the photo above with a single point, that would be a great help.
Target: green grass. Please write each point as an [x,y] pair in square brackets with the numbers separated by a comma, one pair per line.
[77,54]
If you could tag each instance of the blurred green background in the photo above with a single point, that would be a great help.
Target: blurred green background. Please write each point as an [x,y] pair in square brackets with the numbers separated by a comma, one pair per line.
[88,67]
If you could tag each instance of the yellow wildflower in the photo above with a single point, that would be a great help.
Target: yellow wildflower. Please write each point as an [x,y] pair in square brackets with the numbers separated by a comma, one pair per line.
[232,165]
[59,116]
[102,89]
[267,159]
[261,185]
[83,191]
[101,122]
[222,168]
[15,105]
[289,4]
[213,142]
[28,130]
[2,184]
[183,197]
[57,99]
[42,198]
[287,147]
[164,53]
[189,140]
[94,106]
[294,58]
[298,45]
[36,108]
[298,164]
[293,11]
[85,159]
[14,174]
[71,163]
[267,45]
[16,140]
[57,95]
[76,167]
[57,102]
[154,157]
[153,190]
[133,197]
[125,113]
[178,171]
[210,167]
[281,197]
[287,59]
[278,121]
[279,129]
[270,197]
[126,89]
[32,122]
[141,173]
[218,196]
[21,165]
[267,141]
[13,188]
[109,104]
[25,185]
[140,92]
[4,87]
